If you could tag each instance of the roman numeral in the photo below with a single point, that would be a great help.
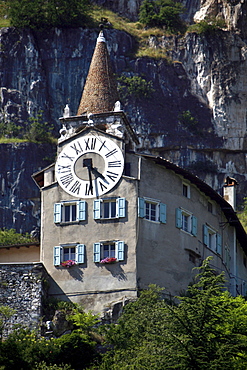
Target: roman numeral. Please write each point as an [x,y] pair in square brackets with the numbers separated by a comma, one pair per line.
[89,189]
[111,175]
[102,186]
[75,188]
[111,153]
[67,179]
[77,147]
[103,144]
[68,157]
[90,143]
[114,164]
[64,169]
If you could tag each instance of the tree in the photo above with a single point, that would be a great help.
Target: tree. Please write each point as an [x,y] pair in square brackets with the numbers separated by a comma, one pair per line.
[6,313]
[205,330]
[161,13]
[39,14]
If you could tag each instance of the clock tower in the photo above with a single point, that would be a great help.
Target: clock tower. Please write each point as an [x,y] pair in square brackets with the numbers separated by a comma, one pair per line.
[89,199]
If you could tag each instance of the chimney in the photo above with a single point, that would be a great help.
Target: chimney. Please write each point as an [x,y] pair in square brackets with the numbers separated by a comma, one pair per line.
[229,191]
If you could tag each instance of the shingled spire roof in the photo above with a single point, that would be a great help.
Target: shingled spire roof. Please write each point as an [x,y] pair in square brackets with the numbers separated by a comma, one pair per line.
[100,90]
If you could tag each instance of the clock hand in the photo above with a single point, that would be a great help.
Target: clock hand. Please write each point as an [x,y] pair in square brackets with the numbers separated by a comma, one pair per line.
[89,168]
[97,173]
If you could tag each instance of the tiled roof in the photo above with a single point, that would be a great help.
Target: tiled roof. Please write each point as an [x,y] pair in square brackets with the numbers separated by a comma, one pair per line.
[100,90]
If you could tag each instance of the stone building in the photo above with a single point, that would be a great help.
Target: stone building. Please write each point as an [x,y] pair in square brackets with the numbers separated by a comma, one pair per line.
[114,220]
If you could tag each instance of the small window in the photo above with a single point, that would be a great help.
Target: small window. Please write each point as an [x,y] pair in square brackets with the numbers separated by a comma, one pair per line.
[186,190]
[152,210]
[69,252]
[210,207]
[186,221]
[69,211]
[212,239]
[109,208]
[113,249]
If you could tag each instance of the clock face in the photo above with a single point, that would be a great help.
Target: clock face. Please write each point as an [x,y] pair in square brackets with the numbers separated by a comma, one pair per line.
[89,166]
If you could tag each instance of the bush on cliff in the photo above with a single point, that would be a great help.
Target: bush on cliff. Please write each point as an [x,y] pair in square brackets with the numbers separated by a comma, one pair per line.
[42,14]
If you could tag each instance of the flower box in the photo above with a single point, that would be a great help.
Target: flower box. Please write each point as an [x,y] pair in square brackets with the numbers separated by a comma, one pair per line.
[68,263]
[108,260]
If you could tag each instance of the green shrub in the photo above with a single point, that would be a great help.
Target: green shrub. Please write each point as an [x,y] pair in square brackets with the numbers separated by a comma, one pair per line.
[162,13]
[134,87]
[24,349]
[37,130]
[187,120]
[8,237]
[40,14]
[207,26]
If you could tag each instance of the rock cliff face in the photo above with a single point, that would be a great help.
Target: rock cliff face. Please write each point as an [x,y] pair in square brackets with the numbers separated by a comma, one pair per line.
[206,75]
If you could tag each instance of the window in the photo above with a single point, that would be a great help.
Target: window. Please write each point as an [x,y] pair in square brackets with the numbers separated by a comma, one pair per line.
[210,207]
[151,210]
[70,211]
[186,221]
[212,239]
[186,190]
[109,208]
[65,252]
[109,249]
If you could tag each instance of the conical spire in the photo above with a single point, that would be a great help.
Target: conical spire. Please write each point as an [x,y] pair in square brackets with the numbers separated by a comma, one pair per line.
[100,90]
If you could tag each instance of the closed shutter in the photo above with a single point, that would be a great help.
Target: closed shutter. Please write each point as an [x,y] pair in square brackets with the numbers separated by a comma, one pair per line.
[178,218]
[120,202]
[57,255]
[120,250]
[79,253]
[205,234]
[96,209]
[57,212]
[141,207]
[194,225]
[96,252]
[218,243]
[81,210]
[162,215]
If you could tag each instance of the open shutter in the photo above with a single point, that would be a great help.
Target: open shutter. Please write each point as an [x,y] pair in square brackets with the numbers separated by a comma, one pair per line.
[96,209]
[57,212]
[178,218]
[141,207]
[81,210]
[57,255]
[120,250]
[120,207]
[205,234]
[162,216]
[96,252]
[194,225]
[79,253]
[218,243]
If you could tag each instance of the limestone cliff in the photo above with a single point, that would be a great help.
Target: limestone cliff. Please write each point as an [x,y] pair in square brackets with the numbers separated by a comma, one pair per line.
[206,75]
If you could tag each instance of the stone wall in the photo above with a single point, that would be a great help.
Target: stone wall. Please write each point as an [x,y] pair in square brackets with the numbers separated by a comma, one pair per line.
[22,287]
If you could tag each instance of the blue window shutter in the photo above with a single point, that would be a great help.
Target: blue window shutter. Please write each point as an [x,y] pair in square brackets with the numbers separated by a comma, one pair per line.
[57,212]
[120,250]
[178,218]
[120,207]
[162,210]
[141,207]
[96,209]
[219,243]
[79,253]
[194,225]
[205,234]
[57,255]
[81,210]
[96,252]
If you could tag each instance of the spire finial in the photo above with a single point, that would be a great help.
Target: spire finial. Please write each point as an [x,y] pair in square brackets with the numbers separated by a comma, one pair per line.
[101,37]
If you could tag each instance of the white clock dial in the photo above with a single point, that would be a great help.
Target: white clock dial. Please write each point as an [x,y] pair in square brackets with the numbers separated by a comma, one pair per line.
[89,166]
